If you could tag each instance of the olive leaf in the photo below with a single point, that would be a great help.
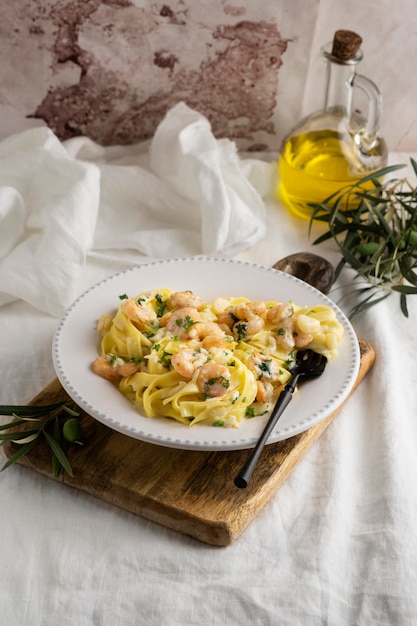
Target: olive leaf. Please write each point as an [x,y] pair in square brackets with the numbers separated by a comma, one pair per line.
[376,233]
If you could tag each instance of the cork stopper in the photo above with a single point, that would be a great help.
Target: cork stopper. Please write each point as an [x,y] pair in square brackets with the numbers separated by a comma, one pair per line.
[346,45]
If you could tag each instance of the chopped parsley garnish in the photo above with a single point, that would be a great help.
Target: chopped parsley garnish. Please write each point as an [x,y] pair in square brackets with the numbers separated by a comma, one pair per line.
[153,329]
[290,359]
[250,412]
[265,367]
[241,330]
[221,380]
[141,301]
[124,296]
[165,359]
[186,323]
[161,305]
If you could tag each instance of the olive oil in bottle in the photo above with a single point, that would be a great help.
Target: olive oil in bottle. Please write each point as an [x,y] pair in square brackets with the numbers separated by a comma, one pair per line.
[334,147]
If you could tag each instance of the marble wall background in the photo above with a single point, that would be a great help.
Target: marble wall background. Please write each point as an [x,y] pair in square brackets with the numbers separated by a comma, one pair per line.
[110,69]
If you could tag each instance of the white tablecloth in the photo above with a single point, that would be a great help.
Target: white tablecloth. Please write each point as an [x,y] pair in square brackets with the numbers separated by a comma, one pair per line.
[336,545]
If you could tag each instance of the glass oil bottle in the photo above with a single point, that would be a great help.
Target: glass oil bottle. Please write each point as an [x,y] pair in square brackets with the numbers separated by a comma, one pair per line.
[336,146]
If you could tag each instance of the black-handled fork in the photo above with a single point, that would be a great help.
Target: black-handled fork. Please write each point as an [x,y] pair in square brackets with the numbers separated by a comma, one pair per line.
[308,364]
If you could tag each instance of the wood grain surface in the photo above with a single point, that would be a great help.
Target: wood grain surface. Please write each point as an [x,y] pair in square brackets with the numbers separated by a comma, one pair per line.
[190,492]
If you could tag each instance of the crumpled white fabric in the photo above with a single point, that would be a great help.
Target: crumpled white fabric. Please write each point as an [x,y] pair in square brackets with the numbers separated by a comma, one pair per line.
[185,194]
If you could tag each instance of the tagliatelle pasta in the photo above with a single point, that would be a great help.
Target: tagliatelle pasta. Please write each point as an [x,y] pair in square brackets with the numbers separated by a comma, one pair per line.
[176,356]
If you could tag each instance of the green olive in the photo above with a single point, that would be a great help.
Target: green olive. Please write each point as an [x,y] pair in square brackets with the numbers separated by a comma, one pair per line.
[72,430]
[368,249]
[412,240]
[409,239]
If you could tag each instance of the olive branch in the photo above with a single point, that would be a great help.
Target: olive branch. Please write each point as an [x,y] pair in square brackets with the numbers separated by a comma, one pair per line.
[376,234]
[57,424]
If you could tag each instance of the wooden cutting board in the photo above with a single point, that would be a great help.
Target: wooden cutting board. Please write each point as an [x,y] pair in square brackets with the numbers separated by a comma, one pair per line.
[190,492]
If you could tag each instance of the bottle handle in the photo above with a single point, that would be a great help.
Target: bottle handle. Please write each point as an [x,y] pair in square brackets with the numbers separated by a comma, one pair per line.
[374,109]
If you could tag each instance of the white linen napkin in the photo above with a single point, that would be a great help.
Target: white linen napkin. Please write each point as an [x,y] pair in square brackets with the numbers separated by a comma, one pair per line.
[185,194]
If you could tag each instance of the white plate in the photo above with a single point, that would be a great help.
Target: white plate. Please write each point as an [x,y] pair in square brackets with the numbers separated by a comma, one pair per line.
[76,340]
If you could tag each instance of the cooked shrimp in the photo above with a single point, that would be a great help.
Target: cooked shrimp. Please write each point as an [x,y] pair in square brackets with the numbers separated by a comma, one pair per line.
[254,325]
[246,310]
[289,335]
[285,334]
[279,312]
[249,318]
[212,336]
[186,361]
[265,368]
[216,341]
[112,367]
[139,314]
[184,322]
[213,379]
[164,319]
[302,340]
[209,328]
[182,299]
[128,368]
[247,328]
[105,368]
[227,318]
[261,393]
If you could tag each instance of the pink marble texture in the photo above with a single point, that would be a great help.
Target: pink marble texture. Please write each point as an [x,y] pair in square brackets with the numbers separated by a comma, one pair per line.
[110,69]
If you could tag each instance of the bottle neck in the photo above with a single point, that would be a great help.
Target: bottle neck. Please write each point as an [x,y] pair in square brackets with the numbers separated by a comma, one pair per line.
[339,83]
[338,90]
